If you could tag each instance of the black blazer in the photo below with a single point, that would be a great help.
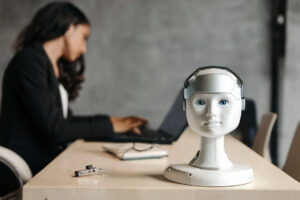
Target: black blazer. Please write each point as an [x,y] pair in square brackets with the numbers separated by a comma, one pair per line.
[32,118]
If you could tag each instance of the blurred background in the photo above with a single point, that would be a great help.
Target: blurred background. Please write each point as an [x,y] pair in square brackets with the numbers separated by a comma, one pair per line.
[141,51]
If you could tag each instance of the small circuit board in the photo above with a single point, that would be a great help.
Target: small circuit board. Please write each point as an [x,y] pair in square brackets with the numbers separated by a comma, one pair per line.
[89,170]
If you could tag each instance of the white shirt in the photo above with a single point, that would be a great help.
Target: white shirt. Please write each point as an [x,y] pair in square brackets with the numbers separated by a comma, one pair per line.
[64,100]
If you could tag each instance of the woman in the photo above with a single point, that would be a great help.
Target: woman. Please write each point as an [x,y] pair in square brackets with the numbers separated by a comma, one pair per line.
[46,72]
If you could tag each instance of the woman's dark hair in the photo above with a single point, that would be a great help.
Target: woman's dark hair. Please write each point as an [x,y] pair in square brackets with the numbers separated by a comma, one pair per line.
[52,21]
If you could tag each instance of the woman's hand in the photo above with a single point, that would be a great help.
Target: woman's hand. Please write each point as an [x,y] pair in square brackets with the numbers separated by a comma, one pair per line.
[125,124]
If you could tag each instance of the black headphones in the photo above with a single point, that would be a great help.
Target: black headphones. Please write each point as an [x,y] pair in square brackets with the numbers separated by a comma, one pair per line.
[239,81]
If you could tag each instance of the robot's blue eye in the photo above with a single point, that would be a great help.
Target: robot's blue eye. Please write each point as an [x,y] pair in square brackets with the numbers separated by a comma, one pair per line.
[223,102]
[200,102]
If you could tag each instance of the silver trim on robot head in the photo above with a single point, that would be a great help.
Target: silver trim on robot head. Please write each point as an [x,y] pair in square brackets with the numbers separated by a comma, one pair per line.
[221,80]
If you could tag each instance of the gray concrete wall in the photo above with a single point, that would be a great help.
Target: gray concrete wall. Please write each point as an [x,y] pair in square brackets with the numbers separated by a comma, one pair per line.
[140,51]
[291,80]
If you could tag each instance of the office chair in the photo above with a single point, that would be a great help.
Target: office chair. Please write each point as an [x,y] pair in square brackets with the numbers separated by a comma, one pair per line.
[248,124]
[14,172]
[292,163]
[262,138]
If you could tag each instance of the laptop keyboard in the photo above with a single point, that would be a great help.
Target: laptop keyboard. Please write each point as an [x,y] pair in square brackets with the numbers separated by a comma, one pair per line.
[149,135]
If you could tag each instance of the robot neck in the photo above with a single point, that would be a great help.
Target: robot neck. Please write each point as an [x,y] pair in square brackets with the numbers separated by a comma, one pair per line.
[211,154]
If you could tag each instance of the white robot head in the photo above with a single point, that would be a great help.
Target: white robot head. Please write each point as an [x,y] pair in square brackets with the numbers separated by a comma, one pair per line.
[213,101]
[213,98]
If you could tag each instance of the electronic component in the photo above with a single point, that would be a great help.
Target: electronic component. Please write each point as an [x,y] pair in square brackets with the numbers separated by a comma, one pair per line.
[89,169]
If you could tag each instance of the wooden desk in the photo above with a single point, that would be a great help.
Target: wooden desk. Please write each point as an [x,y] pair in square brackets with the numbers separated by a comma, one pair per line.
[143,179]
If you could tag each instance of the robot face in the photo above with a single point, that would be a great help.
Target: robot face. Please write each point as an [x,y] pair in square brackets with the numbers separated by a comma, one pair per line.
[213,114]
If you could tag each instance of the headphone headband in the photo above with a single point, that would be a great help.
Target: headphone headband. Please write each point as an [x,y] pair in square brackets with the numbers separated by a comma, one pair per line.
[210,82]
[213,83]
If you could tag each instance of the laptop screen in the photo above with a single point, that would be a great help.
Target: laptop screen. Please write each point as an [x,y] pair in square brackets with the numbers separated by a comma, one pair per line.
[175,121]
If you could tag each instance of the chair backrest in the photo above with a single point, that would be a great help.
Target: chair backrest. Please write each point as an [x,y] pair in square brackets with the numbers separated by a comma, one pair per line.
[262,138]
[248,123]
[292,163]
[16,163]
[14,173]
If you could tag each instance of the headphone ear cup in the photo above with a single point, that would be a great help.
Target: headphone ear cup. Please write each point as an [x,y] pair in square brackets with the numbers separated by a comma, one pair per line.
[243,103]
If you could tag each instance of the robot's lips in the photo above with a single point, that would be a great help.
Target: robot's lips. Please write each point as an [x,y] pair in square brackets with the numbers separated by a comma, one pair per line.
[212,124]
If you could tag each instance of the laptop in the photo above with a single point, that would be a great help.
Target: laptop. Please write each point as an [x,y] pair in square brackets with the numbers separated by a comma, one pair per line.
[169,131]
